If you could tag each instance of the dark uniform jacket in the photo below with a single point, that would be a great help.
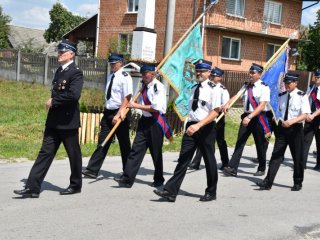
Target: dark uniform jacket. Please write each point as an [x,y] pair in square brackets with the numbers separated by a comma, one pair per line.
[66,91]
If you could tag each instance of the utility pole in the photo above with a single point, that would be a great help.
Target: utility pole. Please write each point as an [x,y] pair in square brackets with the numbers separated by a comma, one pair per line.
[171,8]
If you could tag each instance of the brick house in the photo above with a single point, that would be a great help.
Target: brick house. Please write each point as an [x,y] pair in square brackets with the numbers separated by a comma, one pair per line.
[236,32]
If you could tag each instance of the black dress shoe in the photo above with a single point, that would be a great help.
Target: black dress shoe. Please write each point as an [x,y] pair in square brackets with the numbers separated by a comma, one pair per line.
[27,193]
[229,171]
[259,173]
[156,184]
[90,174]
[123,182]
[296,187]
[222,167]
[193,166]
[166,195]
[264,185]
[208,197]
[69,191]
[316,167]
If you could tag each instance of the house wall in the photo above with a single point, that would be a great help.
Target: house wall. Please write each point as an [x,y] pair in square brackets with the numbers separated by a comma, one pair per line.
[115,20]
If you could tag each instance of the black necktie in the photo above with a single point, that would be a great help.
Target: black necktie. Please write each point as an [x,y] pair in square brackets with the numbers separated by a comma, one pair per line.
[287,108]
[248,99]
[195,98]
[109,88]
[313,105]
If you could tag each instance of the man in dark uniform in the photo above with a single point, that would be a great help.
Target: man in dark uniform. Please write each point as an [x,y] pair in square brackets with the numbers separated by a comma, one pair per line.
[312,124]
[294,108]
[63,122]
[118,94]
[254,121]
[150,131]
[200,132]
[216,75]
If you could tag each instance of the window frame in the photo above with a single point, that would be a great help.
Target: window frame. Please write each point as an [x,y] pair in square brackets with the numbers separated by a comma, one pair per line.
[234,14]
[133,10]
[230,48]
[274,51]
[266,19]
[128,42]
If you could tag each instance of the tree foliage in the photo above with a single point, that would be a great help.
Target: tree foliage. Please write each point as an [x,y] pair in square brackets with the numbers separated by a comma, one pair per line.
[62,21]
[310,46]
[4,29]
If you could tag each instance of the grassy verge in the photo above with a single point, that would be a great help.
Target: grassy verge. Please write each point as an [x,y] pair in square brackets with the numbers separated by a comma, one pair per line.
[23,115]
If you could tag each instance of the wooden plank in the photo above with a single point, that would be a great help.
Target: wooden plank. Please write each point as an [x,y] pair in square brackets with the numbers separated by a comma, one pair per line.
[93,123]
[80,128]
[97,128]
[84,125]
[88,130]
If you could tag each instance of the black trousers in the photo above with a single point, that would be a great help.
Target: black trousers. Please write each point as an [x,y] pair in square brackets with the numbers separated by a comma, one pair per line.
[149,135]
[292,136]
[204,138]
[122,133]
[311,129]
[50,144]
[222,145]
[261,143]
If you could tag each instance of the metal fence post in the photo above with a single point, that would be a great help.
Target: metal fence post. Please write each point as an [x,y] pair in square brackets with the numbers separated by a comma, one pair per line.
[46,64]
[18,65]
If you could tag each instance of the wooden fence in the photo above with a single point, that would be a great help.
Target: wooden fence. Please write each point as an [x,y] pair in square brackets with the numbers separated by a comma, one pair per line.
[40,68]
[90,125]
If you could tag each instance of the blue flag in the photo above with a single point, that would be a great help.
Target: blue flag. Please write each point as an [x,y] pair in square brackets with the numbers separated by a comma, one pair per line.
[273,77]
[179,71]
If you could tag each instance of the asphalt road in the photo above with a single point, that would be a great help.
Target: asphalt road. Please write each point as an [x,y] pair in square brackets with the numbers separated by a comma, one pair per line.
[104,211]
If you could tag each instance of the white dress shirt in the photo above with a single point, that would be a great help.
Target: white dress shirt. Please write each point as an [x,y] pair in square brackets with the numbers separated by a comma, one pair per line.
[260,92]
[121,87]
[298,104]
[209,99]
[156,93]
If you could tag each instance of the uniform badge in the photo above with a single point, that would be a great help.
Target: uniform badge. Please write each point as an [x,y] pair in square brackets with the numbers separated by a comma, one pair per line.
[301,93]
[211,84]
[203,103]
[283,93]
[155,88]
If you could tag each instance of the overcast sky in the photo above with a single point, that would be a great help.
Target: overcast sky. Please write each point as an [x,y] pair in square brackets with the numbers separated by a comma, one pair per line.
[35,13]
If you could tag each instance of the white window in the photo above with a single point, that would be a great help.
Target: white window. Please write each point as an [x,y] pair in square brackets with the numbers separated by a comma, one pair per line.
[231,48]
[271,49]
[272,12]
[125,43]
[235,7]
[133,5]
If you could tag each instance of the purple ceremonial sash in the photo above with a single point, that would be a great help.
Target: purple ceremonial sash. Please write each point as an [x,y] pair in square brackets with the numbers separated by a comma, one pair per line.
[314,99]
[262,118]
[157,116]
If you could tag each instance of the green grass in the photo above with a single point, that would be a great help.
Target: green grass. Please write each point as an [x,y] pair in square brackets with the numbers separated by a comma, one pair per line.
[23,115]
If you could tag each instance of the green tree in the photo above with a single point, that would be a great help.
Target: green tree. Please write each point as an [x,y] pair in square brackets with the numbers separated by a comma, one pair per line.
[62,21]
[4,29]
[311,46]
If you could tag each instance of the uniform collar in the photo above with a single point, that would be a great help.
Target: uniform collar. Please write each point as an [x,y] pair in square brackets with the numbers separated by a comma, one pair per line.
[150,84]
[64,66]
[256,83]
[117,72]
[293,92]
[205,82]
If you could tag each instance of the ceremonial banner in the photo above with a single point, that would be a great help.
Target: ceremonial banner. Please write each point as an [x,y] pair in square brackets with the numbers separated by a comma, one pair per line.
[179,71]
[273,75]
